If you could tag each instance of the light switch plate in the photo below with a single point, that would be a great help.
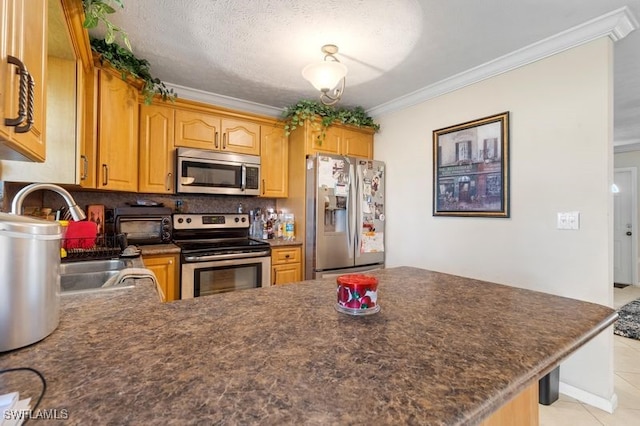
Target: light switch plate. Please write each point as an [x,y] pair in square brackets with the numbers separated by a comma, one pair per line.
[568,220]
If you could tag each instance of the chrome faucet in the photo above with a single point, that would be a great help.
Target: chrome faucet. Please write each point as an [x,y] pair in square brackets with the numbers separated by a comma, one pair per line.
[16,205]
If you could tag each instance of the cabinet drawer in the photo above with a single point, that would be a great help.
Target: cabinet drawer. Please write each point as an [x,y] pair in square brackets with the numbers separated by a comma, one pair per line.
[285,255]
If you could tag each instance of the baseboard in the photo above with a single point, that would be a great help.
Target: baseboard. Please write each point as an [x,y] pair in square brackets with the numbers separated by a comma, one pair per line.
[604,404]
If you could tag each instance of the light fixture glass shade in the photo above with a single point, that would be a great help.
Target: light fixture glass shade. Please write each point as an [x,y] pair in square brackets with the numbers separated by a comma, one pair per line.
[325,75]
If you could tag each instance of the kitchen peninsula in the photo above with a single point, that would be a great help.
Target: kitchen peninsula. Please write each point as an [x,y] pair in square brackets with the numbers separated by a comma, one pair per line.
[443,350]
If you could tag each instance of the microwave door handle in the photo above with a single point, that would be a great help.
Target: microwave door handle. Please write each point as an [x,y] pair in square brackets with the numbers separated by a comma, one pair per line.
[244,178]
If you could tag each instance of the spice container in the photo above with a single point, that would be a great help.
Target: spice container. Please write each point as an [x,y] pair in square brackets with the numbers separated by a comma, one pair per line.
[357,294]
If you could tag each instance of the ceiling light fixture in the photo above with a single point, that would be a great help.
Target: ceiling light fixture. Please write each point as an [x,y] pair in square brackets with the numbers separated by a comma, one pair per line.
[327,75]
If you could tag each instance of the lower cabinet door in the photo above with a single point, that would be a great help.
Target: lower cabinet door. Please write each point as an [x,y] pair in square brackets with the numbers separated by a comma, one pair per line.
[285,274]
[166,269]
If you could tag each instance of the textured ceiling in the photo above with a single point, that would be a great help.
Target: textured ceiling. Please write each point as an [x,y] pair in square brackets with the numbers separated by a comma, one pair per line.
[254,50]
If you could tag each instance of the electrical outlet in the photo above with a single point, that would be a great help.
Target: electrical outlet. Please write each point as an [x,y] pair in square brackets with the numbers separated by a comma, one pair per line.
[568,220]
[574,220]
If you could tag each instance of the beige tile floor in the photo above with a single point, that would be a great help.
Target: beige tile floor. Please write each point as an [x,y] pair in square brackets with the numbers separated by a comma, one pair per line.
[567,411]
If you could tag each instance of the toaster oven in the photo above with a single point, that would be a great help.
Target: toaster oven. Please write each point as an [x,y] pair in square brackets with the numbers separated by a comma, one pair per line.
[143,225]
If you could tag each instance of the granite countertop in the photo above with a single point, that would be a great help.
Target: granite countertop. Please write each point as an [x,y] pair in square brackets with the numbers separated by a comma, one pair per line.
[283,243]
[443,350]
[154,249]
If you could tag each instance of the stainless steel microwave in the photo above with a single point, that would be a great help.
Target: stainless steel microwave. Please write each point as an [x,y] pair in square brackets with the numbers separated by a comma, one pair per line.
[200,171]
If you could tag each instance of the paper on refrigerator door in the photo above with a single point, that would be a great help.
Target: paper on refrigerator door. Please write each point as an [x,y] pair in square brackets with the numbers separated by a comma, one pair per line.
[372,242]
[331,173]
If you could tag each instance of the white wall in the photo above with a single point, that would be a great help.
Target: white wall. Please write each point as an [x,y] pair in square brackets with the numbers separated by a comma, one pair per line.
[561,160]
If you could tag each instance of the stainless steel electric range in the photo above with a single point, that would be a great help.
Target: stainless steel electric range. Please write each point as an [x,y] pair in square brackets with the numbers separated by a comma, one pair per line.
[217,254]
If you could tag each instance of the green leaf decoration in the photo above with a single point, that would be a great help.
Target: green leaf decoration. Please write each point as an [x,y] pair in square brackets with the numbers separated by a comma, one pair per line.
[295,115]
[125,61]
[97,11]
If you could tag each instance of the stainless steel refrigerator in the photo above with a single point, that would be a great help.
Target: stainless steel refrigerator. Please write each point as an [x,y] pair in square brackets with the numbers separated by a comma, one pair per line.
[345,215]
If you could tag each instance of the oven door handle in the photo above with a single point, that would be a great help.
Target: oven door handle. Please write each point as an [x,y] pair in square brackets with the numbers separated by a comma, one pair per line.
[227,256]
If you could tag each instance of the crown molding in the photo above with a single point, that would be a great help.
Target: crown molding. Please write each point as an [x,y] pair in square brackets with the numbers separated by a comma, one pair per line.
[616,25]
[225,101]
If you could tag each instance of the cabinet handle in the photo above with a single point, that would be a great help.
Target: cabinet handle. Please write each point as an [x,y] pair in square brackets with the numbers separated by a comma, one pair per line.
[263,189]
[30,106]
[22,99]
[216,140]
[105,175]
[85,167]
[169,181]
[287,256]
[224,140]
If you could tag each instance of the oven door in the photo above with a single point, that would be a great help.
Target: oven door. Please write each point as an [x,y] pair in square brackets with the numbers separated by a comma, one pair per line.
[220,276]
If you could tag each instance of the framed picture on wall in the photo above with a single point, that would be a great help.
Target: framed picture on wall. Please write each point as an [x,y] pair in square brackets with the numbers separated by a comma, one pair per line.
[471,168]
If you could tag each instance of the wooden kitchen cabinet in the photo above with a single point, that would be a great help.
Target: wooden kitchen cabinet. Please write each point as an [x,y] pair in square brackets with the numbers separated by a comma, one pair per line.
[274,162]
[200,129]
[195,129]
[240,136]
[356,144]
[315,142]
[23,35]
[337,140]
[117,132]
[286,265]
[89,139]
[157,164]
[167,271]
[67,49]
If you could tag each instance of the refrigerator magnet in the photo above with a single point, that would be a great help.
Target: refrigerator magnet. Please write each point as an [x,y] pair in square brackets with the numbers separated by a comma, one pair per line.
[342,189]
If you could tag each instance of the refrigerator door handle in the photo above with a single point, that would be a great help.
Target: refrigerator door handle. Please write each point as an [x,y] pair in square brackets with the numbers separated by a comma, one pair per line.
[351,221]
[357,226]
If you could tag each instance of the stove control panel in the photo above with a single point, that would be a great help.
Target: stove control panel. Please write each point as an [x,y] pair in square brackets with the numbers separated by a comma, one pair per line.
[210,221]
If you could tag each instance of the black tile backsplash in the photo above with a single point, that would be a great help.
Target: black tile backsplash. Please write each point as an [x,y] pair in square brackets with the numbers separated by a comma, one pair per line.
[110,199]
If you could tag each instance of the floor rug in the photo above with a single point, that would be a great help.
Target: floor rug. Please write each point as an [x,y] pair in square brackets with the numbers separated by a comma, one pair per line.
[628,324]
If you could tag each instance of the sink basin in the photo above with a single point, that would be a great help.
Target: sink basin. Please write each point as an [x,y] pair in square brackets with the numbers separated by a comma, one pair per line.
[90,276]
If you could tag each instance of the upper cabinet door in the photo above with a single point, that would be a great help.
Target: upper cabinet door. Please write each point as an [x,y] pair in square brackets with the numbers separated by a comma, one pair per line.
[156,149]
[240,136]
[6,77]
[274,158]
[117,134]
[316,141]
[194,129]
[357,144]
[23,29]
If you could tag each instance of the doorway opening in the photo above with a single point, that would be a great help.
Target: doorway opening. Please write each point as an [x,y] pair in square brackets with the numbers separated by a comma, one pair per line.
[625,208]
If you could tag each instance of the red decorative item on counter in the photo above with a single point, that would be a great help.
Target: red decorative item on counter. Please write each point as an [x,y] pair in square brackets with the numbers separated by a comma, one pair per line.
[357,294]
[80,235]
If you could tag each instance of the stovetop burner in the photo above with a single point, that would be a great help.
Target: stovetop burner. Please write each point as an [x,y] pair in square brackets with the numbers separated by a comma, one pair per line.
[236,245]
[214,233]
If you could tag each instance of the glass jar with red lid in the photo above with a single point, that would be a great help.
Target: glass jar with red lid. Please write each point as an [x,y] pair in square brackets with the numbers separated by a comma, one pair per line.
[357,294]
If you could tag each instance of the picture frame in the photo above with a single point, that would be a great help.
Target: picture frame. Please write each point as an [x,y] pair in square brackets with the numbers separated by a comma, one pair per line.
[95,213]
[471,168]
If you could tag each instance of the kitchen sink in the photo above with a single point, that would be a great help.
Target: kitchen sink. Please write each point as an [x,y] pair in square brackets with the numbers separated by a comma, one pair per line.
[91,275]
